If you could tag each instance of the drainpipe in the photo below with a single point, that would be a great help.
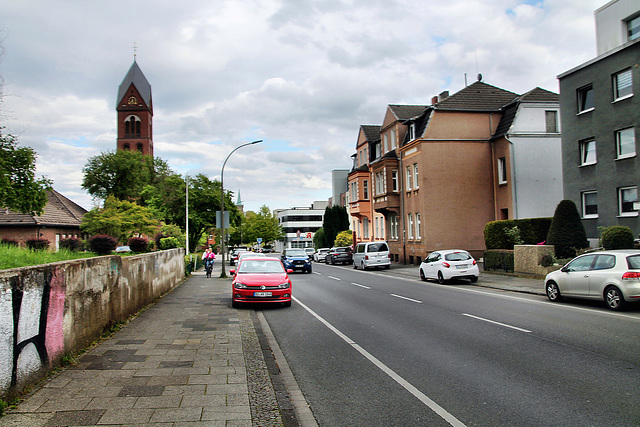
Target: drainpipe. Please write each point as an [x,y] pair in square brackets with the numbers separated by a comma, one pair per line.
[493,172]
[402,196]
[514,184]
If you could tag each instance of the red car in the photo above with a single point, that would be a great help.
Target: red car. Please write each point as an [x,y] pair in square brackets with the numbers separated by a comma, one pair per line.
[260,280]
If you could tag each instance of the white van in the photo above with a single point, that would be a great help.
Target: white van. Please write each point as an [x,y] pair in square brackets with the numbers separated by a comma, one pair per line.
[371,254]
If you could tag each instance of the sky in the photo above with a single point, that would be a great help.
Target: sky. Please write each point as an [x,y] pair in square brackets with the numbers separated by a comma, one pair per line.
[302,75]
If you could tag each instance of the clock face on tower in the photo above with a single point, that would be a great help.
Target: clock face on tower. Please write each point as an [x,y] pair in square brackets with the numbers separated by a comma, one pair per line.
[132,100]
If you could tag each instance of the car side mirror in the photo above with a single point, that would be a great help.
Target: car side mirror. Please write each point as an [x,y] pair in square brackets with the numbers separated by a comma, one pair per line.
[565,269]
[289,271]
[232,271]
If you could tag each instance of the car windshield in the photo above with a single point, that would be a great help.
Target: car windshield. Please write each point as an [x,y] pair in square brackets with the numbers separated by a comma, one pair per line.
[457,256]
[378,247]
[633,262]
[342,249]
[252,266]
[296,252]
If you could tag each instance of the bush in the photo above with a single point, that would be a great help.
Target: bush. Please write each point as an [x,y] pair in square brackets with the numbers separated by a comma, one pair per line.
[37,244]
[103,244]
[498,260]
[138,244]
[501,234]
[617,237]
[566,232]
[547,260]
[344,238]
[72,244]
[10,242]
[169,243]
[169,230]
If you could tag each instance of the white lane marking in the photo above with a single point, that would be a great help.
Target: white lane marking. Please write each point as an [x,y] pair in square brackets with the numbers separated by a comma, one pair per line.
[408,299]
[334,278]
[496,323]
[397,378]
[362,286]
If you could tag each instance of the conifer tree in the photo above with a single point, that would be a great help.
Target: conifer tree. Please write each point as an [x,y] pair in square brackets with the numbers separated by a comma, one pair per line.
[566,232]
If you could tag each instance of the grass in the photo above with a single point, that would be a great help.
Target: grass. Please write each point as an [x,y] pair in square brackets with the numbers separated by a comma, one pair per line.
[14,256]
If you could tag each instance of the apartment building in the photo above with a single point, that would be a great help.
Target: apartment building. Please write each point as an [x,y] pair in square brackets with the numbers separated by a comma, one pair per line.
[600,116]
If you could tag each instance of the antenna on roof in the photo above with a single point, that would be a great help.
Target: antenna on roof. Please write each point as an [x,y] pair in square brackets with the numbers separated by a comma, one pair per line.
[135,48]
[479,77]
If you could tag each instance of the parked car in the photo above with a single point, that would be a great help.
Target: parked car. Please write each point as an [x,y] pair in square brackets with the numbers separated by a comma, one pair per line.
[245,254]
[310,252]
[342,255]
[321,254]
[260,280]
[234,256]
[371,254]
[609,276]
[121,249]
[296,260]
[449,264]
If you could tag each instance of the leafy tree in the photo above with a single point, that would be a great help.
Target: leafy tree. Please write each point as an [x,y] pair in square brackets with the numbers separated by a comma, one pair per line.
[262,225]
[344,238]
[566,231]
[335,220]
[119,218]
[123,174]
[19,189]
[318,239]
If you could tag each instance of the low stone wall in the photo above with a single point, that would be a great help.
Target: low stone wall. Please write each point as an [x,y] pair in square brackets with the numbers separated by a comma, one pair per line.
[526,260]
[49,311]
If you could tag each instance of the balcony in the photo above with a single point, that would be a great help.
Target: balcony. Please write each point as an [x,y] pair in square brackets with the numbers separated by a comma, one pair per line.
[385,203]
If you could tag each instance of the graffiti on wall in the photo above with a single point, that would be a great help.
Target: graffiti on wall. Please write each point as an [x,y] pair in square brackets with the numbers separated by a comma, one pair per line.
[31,325]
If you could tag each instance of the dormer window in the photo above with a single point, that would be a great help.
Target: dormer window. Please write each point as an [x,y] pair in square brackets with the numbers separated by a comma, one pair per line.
[412,131]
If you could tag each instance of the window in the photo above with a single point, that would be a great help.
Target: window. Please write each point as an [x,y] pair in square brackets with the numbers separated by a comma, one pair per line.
[412,131]
[502,170]
[415,176]
[633,28]
[385,138]
[377,229]
[585,99]
[365,189]
[393,226]
[126,147]
[408,183]
[353,194]
[418,235]
[410,225]
[377,148]
[622,84]
[551,121]
[394,181]
[393,139]
[625,143]
[628,201]
[587,152]
[139,147]
[365,228]
[132,126]
[590,204]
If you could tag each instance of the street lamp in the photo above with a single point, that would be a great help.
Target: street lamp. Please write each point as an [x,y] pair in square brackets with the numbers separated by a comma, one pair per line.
[223,274]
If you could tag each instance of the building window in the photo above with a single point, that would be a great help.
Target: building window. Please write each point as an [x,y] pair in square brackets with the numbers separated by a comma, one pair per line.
[587,152]
[622,84]
[418,235]
[590,204]
[377,148]
[393,139]
[353,194]
[139,147]
[394,181]
[628,201]
[408,183]
[365,189]
[132,126]
[385,138]
[126,147]
[412,131]
[393,226]
[633,28]
[410,225]
[365,228]
[502,170]
[551,121]
[415,176]
[585,99]
[625,143]
[377,229]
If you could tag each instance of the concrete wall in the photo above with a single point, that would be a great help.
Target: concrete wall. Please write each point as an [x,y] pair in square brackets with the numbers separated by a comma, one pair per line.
[49,311]
[526,260]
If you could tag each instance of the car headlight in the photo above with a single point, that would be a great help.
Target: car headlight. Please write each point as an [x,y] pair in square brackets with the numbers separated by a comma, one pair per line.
[284,285]
[239,285]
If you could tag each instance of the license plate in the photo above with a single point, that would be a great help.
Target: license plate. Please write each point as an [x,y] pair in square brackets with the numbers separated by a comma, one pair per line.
[262,294]
[461,267]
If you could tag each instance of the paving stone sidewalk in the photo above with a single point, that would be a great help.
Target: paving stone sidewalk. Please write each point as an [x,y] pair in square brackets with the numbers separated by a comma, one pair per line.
[188,359]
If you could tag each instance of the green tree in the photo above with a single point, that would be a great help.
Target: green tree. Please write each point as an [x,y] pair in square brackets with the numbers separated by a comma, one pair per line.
[335,220]
[19,189]
[121,219]
[123,174]
[344,238]
[566,231]
[616,237]
[263,225]
[318,239]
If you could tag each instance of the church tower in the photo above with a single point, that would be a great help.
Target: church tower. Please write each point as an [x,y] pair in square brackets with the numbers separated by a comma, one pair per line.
[135,112]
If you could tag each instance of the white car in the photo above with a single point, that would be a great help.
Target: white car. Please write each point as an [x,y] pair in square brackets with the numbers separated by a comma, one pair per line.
[449,264]
[609,276]
[321,254]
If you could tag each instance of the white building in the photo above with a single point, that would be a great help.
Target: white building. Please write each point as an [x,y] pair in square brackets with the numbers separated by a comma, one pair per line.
[300,224]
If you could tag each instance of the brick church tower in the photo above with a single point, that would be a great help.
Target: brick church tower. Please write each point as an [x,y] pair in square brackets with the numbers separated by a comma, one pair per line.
[135,112]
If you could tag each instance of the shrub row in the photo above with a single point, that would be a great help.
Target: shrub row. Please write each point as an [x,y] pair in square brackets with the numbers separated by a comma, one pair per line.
[498,260]
[500,234]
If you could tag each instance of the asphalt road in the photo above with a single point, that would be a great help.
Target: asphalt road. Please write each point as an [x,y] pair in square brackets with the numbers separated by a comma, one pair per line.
[375,349]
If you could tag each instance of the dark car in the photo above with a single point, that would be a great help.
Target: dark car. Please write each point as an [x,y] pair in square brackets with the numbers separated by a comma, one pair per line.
[296,260]
[342,255]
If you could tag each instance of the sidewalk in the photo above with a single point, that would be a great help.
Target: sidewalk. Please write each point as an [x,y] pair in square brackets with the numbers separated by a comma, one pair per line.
[190,358]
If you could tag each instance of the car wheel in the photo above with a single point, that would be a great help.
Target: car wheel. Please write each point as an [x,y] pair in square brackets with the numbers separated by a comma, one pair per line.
[553,292]
[474,279]
[386,267]
[422,276]
[441,278]
[235,304]
[286,304]
[364,267]
[614,299]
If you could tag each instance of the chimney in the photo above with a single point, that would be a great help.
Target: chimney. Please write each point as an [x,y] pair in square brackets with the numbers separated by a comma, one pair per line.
[434,100]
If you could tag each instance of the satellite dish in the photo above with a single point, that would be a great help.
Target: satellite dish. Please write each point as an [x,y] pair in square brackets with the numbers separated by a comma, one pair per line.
[479,77]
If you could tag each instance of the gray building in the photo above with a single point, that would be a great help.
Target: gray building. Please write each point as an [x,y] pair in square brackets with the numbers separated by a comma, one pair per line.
[600,116]
[300,224]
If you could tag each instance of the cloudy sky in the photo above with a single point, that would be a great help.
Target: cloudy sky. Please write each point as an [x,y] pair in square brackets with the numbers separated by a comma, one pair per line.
[302,75]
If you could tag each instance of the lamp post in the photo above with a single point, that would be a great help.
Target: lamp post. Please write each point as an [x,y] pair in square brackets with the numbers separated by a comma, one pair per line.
[223,274]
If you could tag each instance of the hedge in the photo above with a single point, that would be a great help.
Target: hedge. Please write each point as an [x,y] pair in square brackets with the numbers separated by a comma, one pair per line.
[532,232]
[498,260]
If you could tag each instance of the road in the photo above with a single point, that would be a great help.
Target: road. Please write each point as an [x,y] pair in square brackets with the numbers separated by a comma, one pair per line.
[373,348]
